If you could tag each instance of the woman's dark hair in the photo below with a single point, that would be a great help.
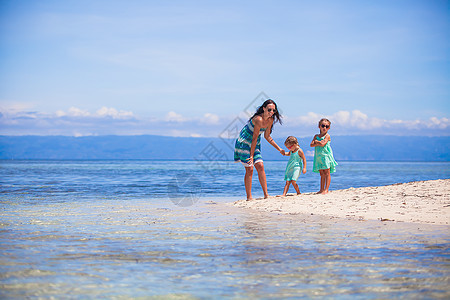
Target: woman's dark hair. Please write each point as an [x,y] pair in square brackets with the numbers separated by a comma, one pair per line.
[276,115]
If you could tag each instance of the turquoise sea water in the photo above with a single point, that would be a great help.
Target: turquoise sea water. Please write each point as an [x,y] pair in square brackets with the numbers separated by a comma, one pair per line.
[163,229]
[127,179]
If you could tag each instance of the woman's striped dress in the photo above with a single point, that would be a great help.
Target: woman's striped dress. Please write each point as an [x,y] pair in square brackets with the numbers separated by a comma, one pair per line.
[244,143]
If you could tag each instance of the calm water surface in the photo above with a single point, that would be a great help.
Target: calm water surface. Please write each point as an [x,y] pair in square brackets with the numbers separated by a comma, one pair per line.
[124,179]
[110,229]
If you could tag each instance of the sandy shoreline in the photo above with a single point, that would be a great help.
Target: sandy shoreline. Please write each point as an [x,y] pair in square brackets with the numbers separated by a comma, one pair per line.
[418,202]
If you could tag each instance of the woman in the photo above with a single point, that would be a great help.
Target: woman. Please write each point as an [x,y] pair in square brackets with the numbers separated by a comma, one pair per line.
[247,149]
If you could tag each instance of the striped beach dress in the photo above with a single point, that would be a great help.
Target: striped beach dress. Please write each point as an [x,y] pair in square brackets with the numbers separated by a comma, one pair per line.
[244,143]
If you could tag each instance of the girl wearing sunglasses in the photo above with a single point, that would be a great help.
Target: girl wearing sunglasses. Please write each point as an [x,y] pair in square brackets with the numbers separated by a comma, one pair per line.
[324,162]
[247,148]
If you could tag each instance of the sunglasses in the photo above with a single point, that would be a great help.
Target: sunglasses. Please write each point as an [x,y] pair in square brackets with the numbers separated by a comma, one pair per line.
[271,110]
[325,126]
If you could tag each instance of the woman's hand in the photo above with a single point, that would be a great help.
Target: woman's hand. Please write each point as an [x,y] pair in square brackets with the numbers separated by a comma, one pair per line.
[283,152]
[250,161]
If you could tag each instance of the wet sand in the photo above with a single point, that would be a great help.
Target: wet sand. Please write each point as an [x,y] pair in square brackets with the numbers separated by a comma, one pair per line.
[417,202]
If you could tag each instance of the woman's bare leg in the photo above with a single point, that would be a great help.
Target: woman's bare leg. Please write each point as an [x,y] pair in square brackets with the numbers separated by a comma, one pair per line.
[248,182]
[262,178]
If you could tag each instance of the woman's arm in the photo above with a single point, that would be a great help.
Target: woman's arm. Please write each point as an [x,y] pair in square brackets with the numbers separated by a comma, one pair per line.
[270,139]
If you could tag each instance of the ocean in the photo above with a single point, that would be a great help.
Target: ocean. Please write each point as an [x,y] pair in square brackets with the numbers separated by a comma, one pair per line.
[104,229]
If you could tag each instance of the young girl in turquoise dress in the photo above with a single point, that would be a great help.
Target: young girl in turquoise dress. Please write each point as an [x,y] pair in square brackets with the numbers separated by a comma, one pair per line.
[324,162]
[247,149]
[295,165]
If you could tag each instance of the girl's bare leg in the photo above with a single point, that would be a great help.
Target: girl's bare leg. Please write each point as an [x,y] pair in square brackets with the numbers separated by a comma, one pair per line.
[297,189]
[327,180]
[286,188]
[262,178]
[322,182]
[248,182]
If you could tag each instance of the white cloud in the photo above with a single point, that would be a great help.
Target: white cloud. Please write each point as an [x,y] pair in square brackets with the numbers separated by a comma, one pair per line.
[174,117]
[76,112]
[79,134]
[73,112]
[108,120]
[442,123]
[114,113]
[104,112]
[14,107]
[310,118]
[211,119]
[208,118]
[309,153]
[356,119]
[358,122]
[342,117]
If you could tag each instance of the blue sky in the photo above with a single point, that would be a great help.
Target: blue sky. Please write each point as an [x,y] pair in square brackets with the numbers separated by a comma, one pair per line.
[190,68]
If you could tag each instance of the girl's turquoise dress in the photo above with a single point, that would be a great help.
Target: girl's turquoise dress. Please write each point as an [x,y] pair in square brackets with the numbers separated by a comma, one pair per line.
[244,143]
[323,158]
[294,167]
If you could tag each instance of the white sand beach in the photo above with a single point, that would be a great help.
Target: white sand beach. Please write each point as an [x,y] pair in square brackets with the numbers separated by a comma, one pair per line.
[417,202]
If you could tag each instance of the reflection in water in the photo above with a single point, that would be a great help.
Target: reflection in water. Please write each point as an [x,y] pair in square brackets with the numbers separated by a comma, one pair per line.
[137,248]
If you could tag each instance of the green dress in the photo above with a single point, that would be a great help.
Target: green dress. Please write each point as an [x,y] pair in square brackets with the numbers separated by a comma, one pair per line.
[323,158]
[294,167]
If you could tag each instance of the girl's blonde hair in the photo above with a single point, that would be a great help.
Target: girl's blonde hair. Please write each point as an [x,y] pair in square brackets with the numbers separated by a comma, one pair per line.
[324,120]
[291,140]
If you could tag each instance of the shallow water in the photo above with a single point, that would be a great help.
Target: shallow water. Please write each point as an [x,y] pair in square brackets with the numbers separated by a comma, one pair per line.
[110,230]
[138,248]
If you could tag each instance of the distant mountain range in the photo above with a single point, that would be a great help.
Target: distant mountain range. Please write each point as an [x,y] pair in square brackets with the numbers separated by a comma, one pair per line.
[356,148]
